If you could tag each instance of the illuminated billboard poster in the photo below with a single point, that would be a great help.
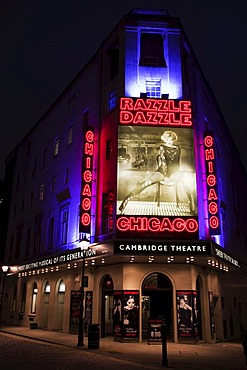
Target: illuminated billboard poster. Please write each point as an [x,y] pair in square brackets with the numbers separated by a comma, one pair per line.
[87,179]
[188,314]
[131,314]
[212,184]
[156,194]
[126,314]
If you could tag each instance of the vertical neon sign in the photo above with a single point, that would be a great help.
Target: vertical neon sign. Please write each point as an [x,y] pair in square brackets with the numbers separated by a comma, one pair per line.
[212,191]
[87,178]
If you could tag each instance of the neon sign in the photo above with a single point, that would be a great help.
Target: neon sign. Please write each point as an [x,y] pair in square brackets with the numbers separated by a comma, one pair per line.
[156,224]
[87,178]
[137,111]
[212,192]
[155,201]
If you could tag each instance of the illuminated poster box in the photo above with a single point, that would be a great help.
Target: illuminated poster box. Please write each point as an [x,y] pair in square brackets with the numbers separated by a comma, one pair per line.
[156,194]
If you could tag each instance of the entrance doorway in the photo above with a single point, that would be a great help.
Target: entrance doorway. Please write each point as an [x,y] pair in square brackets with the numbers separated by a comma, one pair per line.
[107,307]
[157,302]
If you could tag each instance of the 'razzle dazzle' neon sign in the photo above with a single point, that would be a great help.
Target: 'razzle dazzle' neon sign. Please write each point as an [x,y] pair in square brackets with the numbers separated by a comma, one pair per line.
[137,111]
[87,178]
[212,191]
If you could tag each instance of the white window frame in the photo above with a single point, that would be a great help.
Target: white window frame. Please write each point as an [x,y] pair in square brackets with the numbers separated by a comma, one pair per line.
[64,225]
[153,88]
[56,147]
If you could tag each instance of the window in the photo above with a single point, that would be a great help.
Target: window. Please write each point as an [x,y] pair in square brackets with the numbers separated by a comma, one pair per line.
[64,226]
[85,119]
[23,298]
[44,156]
[18,241]
[41,192]
[50,233]
[61,287]
[28,242]
[53,184]
[13,303]
[153,88]
[72,101]
[34,167]
[18,182]
[56,147]
[37,233]
[28,147]
[11,248]
[114,61]
[26,173]
[66,175]
[31,199]
[34,298]
[47,288]
[112,100]
[152,50]
[70,135]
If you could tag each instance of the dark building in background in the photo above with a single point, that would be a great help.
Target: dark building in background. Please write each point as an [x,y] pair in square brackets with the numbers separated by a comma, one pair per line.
[136,156]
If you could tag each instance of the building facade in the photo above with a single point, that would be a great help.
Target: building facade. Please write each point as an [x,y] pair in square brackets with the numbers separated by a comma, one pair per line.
[136,157]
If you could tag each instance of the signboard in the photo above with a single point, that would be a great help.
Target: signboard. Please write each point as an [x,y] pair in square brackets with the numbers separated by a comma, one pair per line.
[188,314]
[154,331]
[75,306]
[86,179]
[225,257]
[72,255]
[88,309]
[156,195]
[168,248]
[212,184]
[126,314]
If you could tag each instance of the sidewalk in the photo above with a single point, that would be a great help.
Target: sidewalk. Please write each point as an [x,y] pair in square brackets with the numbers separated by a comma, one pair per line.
[203,356]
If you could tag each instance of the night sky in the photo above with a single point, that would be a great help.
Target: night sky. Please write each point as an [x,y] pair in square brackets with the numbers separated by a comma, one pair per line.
[44,44]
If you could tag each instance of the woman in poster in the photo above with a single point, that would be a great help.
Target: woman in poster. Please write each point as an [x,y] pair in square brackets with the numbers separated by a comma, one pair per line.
[168,163]
[184,314]
[131,312]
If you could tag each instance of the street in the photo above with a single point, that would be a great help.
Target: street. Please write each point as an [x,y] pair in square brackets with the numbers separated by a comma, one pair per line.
[49,350]
[28,354]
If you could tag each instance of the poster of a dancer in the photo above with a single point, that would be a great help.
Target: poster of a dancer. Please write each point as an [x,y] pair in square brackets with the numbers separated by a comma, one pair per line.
[126,314]
[165,183]
[185,314]
[131,314]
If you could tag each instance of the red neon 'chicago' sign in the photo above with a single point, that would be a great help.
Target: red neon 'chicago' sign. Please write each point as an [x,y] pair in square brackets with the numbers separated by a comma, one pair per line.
[138,111]
[87,178]
[155,224]
[212,191]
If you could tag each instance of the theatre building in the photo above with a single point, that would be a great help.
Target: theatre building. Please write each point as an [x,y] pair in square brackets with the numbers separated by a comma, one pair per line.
[135,157]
